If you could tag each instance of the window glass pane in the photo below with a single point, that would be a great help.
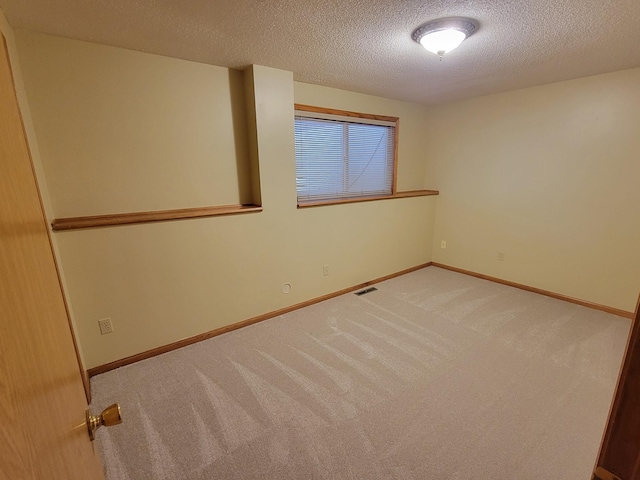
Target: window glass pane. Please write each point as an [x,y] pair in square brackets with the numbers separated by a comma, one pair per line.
[368,153]
[319,158]
[342,158]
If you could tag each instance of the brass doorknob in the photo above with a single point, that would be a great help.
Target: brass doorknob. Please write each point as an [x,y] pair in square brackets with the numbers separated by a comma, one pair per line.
[109,416]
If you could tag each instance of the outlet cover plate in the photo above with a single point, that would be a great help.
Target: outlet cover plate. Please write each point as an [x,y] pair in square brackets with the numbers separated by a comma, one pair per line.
[105,326]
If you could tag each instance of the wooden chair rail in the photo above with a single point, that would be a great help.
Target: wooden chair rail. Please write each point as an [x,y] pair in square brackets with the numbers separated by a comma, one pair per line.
[73,223]
[337,201]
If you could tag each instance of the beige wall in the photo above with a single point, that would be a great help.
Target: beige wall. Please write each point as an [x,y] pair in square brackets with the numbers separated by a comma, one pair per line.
[549,176]
[124,131]
[545,175]
[166,281]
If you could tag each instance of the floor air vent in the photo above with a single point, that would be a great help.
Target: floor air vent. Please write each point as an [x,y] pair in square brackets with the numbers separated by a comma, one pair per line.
[366,290]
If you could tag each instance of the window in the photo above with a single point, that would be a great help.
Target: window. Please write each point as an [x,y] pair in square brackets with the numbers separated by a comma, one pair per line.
[342,156]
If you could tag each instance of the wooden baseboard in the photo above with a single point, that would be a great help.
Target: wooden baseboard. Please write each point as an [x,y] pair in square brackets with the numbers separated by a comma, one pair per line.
[584,303]
[228,328]
[219,331]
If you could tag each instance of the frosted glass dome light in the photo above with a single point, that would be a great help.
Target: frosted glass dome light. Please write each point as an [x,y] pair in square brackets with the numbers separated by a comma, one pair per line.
[442,41]
[442,36]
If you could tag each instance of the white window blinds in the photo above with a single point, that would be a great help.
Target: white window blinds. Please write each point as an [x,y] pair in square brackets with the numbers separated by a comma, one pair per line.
[342,157]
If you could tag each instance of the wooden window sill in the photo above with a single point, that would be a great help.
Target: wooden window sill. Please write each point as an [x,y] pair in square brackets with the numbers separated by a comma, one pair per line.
[338,201]
[74,223]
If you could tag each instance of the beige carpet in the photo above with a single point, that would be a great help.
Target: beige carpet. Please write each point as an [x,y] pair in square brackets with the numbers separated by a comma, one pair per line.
[436,375]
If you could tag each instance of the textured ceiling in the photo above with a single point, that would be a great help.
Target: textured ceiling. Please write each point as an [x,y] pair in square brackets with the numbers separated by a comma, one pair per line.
[362,45]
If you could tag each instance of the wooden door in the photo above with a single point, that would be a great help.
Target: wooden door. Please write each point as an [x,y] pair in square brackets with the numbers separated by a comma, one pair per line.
[619,457]
[42,403]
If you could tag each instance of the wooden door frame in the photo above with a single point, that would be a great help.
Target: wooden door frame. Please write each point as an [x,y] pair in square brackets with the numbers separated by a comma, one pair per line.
[623,425]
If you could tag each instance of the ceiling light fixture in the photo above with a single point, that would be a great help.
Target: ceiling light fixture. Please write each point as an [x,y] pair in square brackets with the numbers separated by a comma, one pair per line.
[443,35]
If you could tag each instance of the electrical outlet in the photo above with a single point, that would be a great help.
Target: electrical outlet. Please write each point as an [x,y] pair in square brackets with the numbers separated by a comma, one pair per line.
[443,244]
[501,256]
[105,326]
[325,270]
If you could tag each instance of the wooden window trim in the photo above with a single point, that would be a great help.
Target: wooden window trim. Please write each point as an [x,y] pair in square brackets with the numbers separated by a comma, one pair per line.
[339,201]
[343,113]
[74,223]
[356,115]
